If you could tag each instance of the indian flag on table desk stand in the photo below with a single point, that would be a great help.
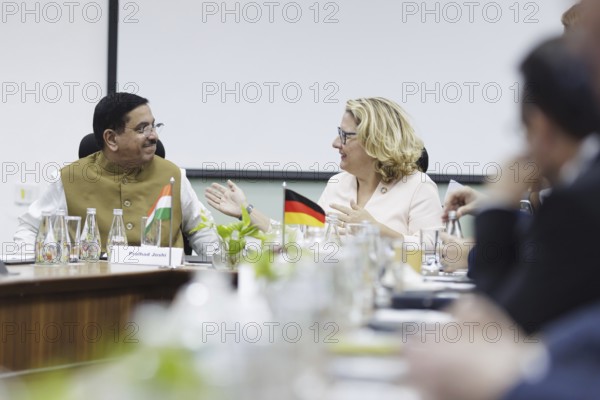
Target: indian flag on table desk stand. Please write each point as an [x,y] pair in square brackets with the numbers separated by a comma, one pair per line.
[161,211]
[299,210]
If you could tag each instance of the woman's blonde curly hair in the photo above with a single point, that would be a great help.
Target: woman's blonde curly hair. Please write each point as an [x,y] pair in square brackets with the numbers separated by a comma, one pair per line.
[384,132]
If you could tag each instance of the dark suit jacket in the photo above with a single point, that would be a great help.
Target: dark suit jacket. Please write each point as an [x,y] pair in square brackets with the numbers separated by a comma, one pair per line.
[574,372]
[552,269]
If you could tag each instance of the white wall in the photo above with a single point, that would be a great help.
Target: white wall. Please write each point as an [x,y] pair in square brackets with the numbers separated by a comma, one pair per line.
[208,67]
[54,58]
[52,73]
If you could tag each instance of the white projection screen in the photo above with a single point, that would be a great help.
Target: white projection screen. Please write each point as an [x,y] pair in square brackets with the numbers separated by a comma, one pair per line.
[262,85]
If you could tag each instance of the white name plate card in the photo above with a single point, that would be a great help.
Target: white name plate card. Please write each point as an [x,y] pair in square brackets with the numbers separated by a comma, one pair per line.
[146,255]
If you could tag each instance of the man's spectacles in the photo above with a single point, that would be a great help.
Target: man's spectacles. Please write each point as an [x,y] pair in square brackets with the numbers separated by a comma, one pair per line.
[147,130]
[344,135]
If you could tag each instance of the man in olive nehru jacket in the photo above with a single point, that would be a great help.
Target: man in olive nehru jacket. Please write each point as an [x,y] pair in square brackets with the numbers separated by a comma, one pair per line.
[124,174]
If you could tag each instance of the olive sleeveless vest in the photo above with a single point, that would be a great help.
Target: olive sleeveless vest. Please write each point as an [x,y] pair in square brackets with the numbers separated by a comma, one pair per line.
[95,182]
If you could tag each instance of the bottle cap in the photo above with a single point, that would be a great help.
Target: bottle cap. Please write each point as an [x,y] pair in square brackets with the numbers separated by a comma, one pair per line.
[118,211]
[46,213]
[61,212]
[452,214]
[91,211]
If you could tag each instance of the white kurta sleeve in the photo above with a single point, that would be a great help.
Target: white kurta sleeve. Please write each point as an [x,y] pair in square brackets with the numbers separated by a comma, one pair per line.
[52,199]
[204,241]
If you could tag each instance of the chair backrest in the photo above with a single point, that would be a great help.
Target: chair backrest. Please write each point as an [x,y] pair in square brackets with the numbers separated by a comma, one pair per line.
[88,145]
[423,161]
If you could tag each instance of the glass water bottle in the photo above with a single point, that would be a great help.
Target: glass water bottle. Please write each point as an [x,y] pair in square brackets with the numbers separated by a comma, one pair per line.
[61,233]
[90,237]
[453,226]
[116,235]
[46,249]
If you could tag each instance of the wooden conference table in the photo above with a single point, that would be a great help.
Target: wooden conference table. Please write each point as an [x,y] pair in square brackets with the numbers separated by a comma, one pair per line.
[55,317]
[58,315]
[62,316]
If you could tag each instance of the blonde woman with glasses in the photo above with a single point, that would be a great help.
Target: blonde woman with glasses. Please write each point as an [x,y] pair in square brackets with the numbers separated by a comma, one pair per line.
[380,181]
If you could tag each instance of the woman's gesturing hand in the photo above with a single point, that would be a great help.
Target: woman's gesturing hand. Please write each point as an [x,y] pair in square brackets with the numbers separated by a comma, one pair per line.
[229,200]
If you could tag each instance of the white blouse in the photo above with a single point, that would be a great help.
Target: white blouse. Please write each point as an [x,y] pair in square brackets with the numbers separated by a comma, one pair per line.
[406,206]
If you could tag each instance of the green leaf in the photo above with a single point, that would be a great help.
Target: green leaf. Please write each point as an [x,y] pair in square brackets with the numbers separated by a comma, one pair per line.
[233,235]
[263,268]
[224,231]
[204,223]
[236,246]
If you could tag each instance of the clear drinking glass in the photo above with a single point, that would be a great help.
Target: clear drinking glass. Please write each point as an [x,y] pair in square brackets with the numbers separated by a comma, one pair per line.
[431,244]
[332,235]
[294,233]
[313,235]
[74,230]
[409,252]
[357,229]
[150,236]
[353,283]
[274,235]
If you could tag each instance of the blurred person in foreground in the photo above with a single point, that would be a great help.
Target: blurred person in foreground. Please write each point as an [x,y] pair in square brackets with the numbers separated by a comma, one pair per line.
[571,19]
[380,183]
[566,363]
[553,268]
[458,253]
[491,359]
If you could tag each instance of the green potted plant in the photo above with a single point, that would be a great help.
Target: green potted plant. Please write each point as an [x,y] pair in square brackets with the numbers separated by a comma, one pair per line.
[232,238]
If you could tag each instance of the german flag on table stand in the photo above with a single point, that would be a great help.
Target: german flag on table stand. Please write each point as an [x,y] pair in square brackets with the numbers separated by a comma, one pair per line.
[302,211]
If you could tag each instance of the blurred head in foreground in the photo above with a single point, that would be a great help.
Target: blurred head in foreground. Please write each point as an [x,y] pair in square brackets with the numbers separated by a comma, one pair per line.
[559,104]
[571,19]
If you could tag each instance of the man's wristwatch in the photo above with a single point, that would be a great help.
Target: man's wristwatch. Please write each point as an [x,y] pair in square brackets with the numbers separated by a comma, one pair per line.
[249,209]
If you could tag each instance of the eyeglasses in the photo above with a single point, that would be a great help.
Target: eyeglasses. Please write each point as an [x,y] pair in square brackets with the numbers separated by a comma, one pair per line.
[147,130]
[344,135]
